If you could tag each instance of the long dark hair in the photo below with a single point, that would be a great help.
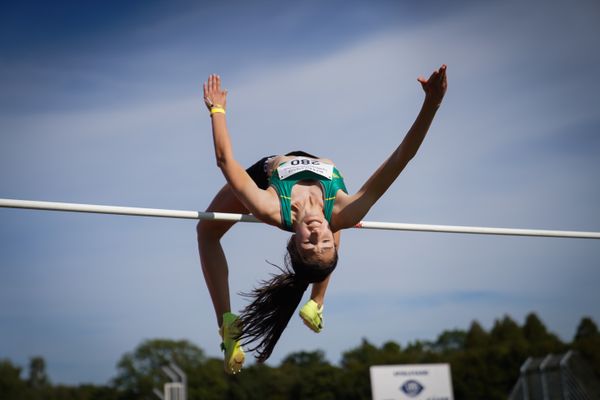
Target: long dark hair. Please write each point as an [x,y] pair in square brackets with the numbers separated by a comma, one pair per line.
[274,302]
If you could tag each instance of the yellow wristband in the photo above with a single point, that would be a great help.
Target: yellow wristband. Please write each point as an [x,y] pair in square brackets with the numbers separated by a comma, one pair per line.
[217,110]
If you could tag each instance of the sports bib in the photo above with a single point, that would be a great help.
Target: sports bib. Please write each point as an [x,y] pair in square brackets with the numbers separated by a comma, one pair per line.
[300,164]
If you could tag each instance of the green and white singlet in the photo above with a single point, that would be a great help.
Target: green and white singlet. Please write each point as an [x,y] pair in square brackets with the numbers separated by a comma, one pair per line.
[299,169]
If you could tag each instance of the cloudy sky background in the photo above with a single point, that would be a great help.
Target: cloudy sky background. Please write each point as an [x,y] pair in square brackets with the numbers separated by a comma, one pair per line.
[102,104]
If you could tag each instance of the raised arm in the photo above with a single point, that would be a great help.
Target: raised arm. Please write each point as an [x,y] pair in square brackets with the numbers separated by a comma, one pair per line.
[351,209]
[259,202]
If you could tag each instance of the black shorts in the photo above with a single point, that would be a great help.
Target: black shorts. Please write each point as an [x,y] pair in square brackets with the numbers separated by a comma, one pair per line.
[258,170]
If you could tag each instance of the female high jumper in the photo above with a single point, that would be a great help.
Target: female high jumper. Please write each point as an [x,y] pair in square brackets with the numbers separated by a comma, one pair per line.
[300,193]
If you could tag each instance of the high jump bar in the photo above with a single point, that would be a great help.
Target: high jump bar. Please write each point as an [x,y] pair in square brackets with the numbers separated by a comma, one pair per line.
[199,215]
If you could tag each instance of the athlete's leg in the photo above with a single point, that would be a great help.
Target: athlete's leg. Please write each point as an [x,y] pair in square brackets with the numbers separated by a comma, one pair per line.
[312,312]
[214,267]
[318,291]
[212,257]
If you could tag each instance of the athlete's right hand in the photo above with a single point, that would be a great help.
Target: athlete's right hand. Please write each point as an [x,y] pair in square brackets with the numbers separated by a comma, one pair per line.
[213,94]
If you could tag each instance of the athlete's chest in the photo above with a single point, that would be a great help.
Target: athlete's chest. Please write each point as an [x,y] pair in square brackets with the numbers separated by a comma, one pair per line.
[307,192]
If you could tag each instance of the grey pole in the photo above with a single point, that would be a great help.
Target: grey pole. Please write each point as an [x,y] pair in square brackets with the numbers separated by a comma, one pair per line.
[182,376]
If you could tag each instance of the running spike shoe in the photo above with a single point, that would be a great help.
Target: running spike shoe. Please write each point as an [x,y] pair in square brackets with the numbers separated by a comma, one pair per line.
[312,315]
[234,354]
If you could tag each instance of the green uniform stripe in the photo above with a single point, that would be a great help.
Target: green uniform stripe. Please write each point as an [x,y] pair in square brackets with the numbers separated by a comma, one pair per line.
[284,190]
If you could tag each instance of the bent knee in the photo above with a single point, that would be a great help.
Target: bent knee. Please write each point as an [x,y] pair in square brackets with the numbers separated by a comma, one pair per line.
[203,230]
[211,230]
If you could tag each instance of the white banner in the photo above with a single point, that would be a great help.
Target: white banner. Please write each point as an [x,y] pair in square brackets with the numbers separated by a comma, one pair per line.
[408,382]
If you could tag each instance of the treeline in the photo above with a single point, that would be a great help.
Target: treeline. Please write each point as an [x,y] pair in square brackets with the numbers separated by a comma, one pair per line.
[484,364]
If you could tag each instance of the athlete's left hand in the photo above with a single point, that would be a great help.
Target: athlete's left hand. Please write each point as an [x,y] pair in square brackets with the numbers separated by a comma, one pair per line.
[435,87]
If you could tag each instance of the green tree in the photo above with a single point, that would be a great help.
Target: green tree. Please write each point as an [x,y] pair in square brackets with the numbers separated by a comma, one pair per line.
[259,382]
[450,340]
[540,341]
[587,343]
[207,381]
[507,332]
[314,377]
[586,329]
[82,392]
[38,378]
[12,387]
[140,372]
[355,378]
[484,366]
[488,366]
[356,363]
[476,337]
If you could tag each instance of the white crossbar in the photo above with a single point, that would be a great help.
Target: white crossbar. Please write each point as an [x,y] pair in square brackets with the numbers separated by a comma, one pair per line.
[156,212]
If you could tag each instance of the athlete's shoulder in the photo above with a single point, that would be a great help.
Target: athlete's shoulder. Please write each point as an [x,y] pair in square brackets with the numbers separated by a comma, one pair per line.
[269,211]
[341,216]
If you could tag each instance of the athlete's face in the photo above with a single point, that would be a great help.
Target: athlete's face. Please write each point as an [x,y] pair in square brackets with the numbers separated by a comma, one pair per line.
[314,239]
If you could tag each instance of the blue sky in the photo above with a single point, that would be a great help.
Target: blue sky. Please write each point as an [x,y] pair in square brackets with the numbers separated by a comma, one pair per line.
[101,103]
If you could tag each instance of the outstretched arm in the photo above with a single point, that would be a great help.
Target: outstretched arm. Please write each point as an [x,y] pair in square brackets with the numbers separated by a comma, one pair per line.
[256,200]
[352,209]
